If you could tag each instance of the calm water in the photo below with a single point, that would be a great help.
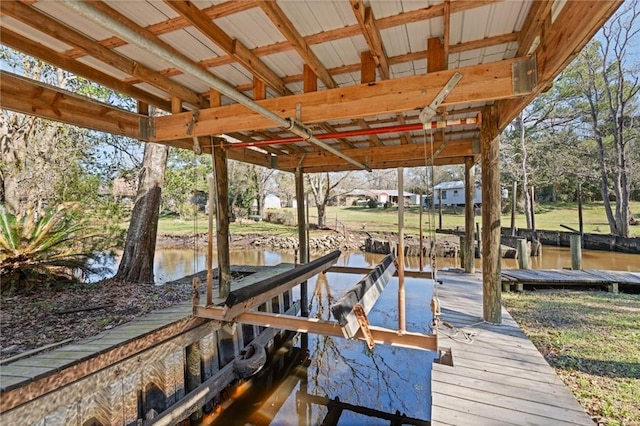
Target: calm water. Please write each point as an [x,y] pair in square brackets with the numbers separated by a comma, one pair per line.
[172,264]
[387,379]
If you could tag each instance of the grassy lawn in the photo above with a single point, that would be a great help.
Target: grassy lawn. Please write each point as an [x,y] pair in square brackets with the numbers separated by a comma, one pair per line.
[592,340]
[549,216]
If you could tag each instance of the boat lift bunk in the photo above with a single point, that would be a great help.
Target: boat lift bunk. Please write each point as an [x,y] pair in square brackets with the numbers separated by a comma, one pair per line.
[349,311]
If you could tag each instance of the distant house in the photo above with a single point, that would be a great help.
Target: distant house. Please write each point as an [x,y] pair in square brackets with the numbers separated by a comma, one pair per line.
[453,194]
[272,201]
[391,196]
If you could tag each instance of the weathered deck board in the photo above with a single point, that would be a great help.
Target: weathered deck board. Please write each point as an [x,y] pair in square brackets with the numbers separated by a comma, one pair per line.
[569,277]
[498,378]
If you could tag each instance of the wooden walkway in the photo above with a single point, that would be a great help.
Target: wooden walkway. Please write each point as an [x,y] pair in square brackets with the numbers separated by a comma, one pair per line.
[498,377]
[120,342]
[612,280]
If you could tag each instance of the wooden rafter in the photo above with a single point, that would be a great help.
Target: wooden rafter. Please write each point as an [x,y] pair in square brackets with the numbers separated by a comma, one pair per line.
[565,32]
[447,32]
[327,328]
[55,29]
[480,83]
[371,33]
[231,46]
[214,12]
[289,31]
[23,44]
[410,155]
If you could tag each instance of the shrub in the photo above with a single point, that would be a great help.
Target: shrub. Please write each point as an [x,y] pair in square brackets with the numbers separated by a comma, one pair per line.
[37,248]
[372,203]
[279,217]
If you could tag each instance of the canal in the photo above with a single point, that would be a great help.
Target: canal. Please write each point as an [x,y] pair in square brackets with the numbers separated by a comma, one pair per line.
[173,264]
[324,380]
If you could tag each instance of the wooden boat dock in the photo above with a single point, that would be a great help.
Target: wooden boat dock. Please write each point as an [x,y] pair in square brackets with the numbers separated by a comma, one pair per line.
[498,376]
[611,280]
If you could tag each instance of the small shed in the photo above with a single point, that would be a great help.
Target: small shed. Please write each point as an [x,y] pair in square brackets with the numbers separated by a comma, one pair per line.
[453,194]
[272,201]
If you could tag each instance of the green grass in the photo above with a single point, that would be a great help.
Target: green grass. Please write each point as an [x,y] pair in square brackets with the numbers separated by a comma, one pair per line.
[549,216]
[592,339]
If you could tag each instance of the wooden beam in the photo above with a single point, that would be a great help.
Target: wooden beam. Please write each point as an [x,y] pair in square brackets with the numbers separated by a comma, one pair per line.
[435,55]
[428,342]
[365,293]
[447,32]
[289,31]
[490,141]
[560,42]
[363,271]
[367,67]
[174,24]
[31,97]
[366,21]
[469,215]
[410,155]
[303,243]
[30,16]
[407,57]
[250,297]
[31,48]
[259,89]
[222,217]
[231,46]
[480,83]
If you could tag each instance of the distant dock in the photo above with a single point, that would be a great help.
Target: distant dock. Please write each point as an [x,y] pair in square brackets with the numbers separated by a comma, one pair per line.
[613,281]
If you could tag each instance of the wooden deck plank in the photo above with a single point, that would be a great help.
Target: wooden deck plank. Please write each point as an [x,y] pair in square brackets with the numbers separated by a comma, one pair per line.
[499,379]
[502,389]
[499,415]
[498,376]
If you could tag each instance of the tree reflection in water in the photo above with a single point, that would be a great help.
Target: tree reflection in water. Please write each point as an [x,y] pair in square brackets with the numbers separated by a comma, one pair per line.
[387,379]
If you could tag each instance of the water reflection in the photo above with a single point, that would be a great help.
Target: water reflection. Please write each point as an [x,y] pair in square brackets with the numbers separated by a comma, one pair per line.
[173,264]
[344,376]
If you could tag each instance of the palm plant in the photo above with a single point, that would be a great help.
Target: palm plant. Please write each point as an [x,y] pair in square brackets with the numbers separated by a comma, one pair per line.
[37,247]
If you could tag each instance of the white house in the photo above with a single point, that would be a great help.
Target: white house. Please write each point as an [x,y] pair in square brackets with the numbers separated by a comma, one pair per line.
[453,194]
[272,201]
[391,195]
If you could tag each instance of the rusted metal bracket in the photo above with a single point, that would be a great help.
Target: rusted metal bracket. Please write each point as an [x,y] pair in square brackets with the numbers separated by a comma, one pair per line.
[364,325]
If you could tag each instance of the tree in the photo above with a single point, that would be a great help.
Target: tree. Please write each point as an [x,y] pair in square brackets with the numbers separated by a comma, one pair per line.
[323,189]
[605,85]
[260,178]
[136,264]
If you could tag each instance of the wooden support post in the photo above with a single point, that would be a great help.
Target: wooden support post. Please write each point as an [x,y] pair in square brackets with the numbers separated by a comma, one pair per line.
[523,254]
[439,208]
[463,243]
[302,236]
[612,288]
[401,293]
[490,141]
[576,252]
[212,188]
[193,375]
[514,190]
[469,263]
[420,227]
[580,221]
[222,217]
[478,241]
